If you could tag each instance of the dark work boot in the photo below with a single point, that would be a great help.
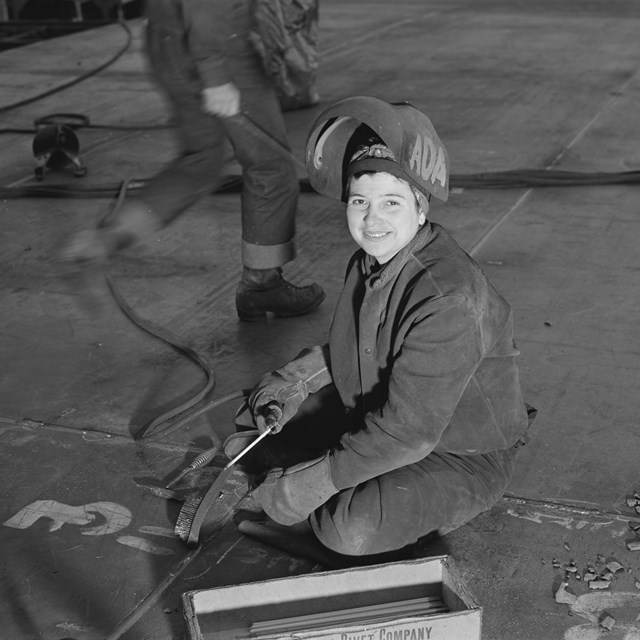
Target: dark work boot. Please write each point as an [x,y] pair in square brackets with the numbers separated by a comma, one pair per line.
[265,290]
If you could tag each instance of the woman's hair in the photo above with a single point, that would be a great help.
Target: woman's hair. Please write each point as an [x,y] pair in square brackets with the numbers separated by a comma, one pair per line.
[422,200]
[366,144]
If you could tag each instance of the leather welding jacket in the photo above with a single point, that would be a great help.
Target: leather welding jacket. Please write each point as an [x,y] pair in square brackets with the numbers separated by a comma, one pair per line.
[423,357]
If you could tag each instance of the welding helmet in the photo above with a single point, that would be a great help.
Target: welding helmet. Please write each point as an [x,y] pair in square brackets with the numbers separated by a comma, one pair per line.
[415,152]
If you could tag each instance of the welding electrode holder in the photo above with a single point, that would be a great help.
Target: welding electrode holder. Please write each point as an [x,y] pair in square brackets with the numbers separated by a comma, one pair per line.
[272,412]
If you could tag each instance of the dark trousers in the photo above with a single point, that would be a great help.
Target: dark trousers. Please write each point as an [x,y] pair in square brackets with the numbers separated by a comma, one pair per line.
[437,494]
[270,184]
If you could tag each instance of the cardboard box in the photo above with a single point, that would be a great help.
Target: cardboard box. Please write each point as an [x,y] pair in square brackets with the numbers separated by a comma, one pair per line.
[228,613]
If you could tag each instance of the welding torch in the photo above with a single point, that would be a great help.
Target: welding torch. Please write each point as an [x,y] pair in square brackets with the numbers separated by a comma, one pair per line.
[273,413]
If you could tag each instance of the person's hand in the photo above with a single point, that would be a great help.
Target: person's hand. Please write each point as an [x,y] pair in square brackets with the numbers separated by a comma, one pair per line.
[291,496]
[289,386]
[222,101]
[272,389]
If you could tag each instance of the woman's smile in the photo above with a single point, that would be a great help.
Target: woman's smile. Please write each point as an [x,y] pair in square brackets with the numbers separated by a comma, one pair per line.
[376,235]
[383,214]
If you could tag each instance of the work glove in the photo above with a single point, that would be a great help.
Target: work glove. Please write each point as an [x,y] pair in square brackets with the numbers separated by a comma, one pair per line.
[291,496]
[288,387]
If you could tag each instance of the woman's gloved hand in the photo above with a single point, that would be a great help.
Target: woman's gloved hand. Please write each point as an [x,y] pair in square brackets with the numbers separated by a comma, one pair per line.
[290,386]
[272,389]
[291,496]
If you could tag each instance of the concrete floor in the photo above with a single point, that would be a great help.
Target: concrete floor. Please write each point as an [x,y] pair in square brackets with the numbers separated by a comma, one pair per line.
[509,85]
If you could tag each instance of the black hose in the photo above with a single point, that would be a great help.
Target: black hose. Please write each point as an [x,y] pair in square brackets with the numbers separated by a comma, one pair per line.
[230,183]
[161,425]
[79,121]
[529,178]
[81,78]
[516,179]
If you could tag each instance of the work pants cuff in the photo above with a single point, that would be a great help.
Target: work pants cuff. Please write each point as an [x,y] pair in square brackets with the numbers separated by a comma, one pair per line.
[271,256]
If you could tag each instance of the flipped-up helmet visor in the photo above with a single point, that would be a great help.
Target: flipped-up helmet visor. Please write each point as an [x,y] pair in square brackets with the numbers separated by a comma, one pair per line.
[407,132]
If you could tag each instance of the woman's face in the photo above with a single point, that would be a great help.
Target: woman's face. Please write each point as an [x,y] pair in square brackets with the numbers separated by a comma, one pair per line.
[382,213]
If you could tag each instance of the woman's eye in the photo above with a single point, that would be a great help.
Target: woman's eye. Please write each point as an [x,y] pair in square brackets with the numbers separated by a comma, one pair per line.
[356,202]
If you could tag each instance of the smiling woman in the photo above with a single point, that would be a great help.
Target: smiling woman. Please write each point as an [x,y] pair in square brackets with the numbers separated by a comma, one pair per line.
[383,213]
[410,419]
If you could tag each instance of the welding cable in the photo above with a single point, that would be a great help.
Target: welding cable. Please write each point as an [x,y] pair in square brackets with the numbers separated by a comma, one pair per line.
[80,121]
[514,179]
[191,414]
[80,78]
[162,425]
[528,178]
[230,183]
[77,121]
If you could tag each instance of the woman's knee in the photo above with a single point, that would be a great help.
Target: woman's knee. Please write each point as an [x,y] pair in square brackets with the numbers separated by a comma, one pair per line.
[360,521]
[346,538]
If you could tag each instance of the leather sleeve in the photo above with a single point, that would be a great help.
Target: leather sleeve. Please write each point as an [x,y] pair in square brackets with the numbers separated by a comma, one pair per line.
[310,366]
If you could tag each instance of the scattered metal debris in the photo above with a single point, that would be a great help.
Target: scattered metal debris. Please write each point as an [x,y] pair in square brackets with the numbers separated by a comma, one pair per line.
[614,566]
[599,583]
[606,621]
[571,567]
[599,574]
[634,502]
[564,596]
